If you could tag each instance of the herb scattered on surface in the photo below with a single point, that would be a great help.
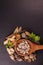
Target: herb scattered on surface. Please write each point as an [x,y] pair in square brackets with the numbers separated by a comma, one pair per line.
[34,37]
[9,44]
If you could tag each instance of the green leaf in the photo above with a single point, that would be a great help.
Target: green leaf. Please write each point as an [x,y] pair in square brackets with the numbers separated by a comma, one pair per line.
[34,37]
[37,38]
[6,46]
[9,44]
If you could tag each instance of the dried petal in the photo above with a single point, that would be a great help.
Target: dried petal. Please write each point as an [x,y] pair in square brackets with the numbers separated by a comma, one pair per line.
[20,29]
[29,60]
[19,59]
[16,30]
[9,51]
[5,42]
[12,50]
[12,57]
[31,56]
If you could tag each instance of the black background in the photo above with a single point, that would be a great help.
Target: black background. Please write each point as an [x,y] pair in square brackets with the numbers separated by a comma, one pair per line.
[26,13]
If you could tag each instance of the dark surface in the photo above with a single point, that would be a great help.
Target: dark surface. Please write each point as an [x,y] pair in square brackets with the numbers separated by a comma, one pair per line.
[26,13]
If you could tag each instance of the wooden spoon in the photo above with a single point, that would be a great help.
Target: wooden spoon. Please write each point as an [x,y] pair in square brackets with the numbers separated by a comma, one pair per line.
[33,47]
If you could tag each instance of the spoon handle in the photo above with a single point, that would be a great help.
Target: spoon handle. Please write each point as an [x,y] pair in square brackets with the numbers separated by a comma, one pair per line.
[39,47]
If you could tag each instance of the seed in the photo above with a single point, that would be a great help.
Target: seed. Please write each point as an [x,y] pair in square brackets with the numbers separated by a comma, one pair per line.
[23,47]
[28,49]
[22,43]
[27,52]
[19,46]
[26,42]
[18,49]
[21,51]
[24,52]
[28,45]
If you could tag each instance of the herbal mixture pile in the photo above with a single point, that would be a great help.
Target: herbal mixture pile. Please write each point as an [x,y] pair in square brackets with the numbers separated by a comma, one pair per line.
[23,47]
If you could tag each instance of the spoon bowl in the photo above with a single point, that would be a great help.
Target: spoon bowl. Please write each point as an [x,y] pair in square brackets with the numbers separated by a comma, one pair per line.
[33,47]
